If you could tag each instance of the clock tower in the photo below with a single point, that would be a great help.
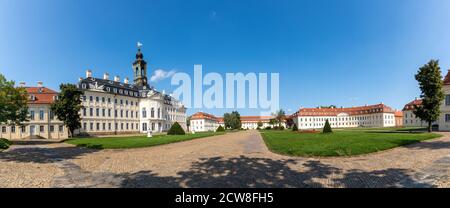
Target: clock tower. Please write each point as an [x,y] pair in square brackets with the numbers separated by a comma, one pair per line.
[140,68]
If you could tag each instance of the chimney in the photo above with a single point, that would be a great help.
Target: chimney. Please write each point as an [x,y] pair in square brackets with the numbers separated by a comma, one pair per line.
[40,84]
[125,80]
[106,76]
[88,73]
[116,79]
[80,79]
[21,84]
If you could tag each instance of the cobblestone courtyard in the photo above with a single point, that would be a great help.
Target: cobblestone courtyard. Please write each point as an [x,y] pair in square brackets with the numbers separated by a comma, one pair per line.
[238,159]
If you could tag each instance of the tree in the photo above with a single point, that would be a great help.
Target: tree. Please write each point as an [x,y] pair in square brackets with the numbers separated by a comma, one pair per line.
[220,129]
[327,127]
[68,106]
[280,116]
[260,124]
[289,122]
[176,129]
[272,122]
[13,103]
[188,123]
[232,120]
[430,83]
[295,128]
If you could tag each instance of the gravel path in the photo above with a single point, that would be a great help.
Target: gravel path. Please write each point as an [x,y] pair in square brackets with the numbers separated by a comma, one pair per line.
[238,159]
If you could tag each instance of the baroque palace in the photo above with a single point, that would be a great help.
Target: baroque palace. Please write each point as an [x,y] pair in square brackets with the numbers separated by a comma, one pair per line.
[114,107]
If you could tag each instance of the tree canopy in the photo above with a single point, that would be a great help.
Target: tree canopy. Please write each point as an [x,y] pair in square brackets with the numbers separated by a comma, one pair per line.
[232,120]
[13,103]
[430,82]
[67,107]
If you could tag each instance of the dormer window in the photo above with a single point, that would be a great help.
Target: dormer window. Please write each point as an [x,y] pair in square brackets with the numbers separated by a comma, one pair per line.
[108,89]
[115,90]
[32,97]
[83,86]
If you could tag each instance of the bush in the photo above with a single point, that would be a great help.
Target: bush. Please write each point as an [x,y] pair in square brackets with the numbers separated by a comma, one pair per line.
[295,128]
[4,143]
[327,127]
[176,130]
[220,128]
[281,128]
[268,128]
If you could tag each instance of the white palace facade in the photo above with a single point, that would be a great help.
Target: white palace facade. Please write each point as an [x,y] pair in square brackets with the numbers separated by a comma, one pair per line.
[114,107]
[378,115]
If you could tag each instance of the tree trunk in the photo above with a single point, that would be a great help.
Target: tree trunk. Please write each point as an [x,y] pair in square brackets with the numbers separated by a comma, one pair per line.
[429,126]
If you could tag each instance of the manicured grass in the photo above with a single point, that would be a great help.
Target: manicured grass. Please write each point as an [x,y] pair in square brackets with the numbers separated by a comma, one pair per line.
[136,142]
[342,142]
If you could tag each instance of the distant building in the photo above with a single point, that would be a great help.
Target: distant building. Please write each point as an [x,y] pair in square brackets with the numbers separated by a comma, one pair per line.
[409,118]
[444,118]
[114,107]
[378,115]
[42,123]
[398,118]
[202,122]
[251,122]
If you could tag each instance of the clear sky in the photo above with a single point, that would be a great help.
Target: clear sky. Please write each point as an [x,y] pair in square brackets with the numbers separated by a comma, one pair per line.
[343,52]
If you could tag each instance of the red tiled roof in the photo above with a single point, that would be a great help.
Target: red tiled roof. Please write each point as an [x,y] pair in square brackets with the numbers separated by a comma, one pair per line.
[410,105]
[42,95]
[201,115]
[447,78]
[361,110]
[398,114]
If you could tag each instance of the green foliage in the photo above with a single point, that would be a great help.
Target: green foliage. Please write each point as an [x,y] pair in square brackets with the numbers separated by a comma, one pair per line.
[268,128]
[68,106]
[430,83]
[260,124]
[294,128]
[327,128]
[13,103]
[280,116]
[220,128]
[176,129]
[232,120]
[4,143]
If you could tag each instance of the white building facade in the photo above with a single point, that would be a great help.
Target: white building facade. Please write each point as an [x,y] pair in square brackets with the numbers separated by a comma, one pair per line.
[203,122]
[444,118]
[42,124]
[378,115]
[409,118]
[114,107]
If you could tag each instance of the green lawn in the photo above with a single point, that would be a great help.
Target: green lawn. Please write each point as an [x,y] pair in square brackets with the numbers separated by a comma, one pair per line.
[136,141]
[342,142]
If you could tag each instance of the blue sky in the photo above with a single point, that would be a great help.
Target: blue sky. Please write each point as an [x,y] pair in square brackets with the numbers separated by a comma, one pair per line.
[343,52]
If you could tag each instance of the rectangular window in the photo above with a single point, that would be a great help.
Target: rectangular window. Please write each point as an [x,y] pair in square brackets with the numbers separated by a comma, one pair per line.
[85,126]
[91,98]
[13,129]
[91,126]
[109,112]
[104,126]
[98,126]
[447,100]
[61,128]
[96,99]
[103,112]
[3,129]
[23,129]
[84,111]
[91,112]
[32,115]
[447,118]
[52,115]
[41,115]
[109,126]
[97,112]
[41,128]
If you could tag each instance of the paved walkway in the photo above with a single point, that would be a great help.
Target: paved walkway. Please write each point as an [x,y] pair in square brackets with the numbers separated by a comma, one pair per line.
[238,159]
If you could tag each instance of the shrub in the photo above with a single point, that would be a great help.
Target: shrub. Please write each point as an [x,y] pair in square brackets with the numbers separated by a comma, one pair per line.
[295,128]
[281,128]
[176,130]
[268,128]
[4,143]
[327,127]
[220,128]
